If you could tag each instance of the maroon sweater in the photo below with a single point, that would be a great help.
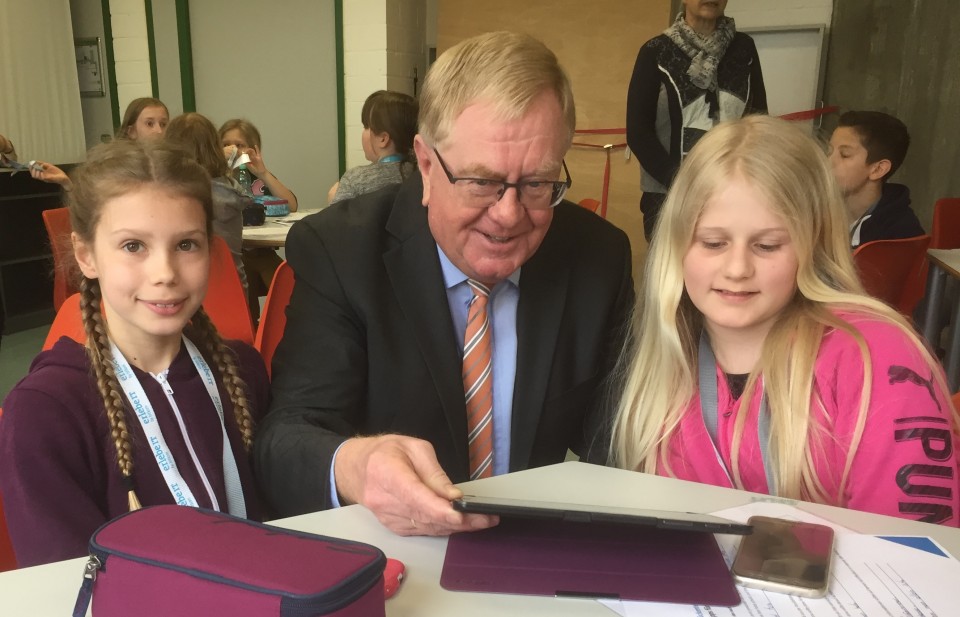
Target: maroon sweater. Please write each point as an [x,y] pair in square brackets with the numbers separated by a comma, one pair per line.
[58,466]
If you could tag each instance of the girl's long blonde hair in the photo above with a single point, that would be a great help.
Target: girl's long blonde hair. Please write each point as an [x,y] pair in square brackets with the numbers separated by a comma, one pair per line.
[658,367]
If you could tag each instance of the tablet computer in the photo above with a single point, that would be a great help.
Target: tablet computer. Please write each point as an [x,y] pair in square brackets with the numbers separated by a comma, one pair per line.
[532,556]
[581,513]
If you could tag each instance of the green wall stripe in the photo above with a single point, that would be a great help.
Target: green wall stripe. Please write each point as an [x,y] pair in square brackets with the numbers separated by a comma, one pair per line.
[152,49]
[111,64]
[341,107]
[186,55]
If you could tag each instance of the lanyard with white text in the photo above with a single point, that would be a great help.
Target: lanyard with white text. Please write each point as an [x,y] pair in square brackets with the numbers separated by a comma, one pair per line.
[709,401]
[231,475]
[148,420]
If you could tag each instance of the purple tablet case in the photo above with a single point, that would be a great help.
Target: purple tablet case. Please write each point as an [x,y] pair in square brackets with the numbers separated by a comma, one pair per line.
[557,558]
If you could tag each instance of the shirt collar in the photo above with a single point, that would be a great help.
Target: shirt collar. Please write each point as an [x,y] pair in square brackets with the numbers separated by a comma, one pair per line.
[452,276]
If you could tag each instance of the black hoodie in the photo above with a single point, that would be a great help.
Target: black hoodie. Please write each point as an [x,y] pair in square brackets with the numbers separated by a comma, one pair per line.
[891,218]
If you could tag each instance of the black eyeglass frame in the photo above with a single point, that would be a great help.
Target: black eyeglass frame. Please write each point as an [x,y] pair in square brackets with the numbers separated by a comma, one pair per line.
[560,188]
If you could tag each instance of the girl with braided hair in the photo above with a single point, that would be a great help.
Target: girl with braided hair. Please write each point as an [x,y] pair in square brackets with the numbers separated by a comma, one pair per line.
[156,408]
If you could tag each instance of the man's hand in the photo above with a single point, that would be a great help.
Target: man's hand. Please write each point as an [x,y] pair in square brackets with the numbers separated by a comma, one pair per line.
[400,480]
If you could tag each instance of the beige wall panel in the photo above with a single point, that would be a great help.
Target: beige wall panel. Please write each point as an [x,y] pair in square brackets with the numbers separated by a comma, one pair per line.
[597,43]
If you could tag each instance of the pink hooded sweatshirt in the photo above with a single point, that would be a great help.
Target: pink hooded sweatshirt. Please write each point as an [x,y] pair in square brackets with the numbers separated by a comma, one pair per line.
[907,461]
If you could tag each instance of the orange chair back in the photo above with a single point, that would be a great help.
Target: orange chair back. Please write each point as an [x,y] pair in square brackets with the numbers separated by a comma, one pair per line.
[57,222]
[945,233]
[273,320]
[590,204]
[225,303]
[8,560]
[67,323]
[888,269]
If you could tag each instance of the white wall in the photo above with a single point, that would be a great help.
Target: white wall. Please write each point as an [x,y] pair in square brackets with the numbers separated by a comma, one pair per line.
[276,68]
[39,89]
[762,13]
[383,42]
[364,66]
[166,44]
[131,53]
[792,61]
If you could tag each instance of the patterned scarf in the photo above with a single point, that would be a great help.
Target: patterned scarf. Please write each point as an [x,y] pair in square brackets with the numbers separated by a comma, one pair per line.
[704,52]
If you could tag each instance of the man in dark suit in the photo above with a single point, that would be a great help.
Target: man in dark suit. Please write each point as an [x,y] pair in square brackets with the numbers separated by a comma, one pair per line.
[369,382]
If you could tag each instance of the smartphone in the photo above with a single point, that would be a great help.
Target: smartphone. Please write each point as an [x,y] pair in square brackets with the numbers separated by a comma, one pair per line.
[581,513]
[785,556]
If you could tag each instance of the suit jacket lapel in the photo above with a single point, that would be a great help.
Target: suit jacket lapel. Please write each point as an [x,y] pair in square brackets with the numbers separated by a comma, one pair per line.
[414,270]
[543,292]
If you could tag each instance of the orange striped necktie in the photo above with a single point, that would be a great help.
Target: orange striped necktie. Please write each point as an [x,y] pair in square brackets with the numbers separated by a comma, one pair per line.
[478,382]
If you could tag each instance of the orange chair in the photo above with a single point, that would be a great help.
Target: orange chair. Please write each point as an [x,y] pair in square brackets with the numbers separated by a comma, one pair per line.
[887,269]
[57,222]
[945,233]
[225,303]
[590,204]
[273,320]
[67,323]
[8,560]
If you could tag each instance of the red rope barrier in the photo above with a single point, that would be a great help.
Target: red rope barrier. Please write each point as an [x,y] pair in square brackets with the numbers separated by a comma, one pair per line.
[810,114]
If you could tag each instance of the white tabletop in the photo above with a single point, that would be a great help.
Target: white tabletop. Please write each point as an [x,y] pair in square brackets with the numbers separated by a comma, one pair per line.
[51,589]
[274,230]
[948,259]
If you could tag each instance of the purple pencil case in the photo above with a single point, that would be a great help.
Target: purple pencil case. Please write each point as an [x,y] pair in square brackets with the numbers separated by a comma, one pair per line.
[176,560]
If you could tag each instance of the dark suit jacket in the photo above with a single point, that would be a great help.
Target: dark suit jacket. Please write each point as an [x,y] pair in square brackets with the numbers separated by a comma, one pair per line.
[369,345]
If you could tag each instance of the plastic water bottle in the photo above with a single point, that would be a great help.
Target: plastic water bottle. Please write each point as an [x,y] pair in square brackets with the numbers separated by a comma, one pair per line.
[245,178]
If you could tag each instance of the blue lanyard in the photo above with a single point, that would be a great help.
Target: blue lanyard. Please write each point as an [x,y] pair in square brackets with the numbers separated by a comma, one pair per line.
[709,401]
[391,158]
[143,409]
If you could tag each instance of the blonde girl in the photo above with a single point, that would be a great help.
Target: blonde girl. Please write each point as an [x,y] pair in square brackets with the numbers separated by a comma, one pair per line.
[155,408]
[758,362]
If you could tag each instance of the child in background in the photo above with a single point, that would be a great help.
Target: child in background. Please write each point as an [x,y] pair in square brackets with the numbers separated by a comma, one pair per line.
[244,136]
[758,362]
[145,118]
[865,150]
[75,432]
[261,263]
[195,134]
[389,126]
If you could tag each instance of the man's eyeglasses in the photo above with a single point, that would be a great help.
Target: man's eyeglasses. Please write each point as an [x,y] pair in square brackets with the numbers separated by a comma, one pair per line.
[532,194]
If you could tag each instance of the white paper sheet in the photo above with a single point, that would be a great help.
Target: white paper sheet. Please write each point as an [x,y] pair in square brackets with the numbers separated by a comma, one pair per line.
[871,577]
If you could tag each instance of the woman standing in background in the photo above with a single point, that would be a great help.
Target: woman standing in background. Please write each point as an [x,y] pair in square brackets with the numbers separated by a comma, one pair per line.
[699,72]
